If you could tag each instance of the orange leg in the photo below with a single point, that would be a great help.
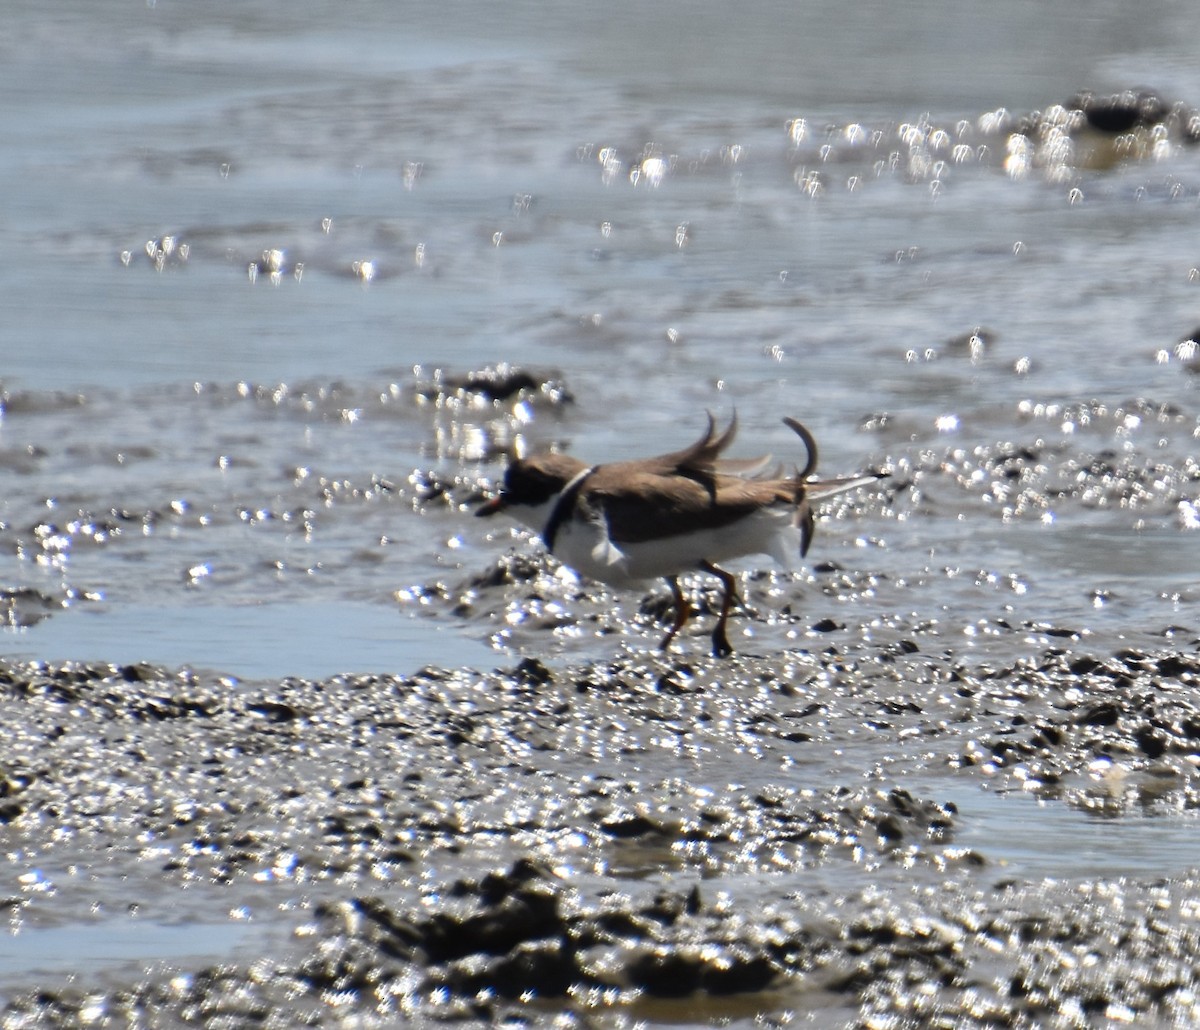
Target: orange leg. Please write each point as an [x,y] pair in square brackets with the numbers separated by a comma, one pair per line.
[720,639]
[683,612]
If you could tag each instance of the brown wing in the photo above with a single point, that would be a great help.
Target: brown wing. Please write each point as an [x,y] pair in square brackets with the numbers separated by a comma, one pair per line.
[695,488]
[642,505]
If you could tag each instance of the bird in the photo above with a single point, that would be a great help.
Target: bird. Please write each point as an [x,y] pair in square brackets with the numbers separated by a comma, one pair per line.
[627,522]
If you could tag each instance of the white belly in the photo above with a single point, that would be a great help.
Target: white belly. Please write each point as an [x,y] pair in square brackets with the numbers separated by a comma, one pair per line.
[585,547]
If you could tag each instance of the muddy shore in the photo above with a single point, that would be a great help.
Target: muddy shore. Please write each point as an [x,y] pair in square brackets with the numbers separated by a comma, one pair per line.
[288,286]
[567,845]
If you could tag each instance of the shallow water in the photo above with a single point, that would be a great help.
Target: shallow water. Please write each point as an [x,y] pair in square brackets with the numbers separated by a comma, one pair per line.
[266,641]
[246,255]
[1070,845]
[94,951]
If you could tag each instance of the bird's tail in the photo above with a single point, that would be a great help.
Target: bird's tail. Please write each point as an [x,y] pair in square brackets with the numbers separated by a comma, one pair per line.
[820,489]
[809,492]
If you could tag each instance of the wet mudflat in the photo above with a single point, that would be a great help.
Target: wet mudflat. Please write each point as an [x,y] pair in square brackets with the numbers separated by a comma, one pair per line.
[941,781]
[292,738]
[782,838]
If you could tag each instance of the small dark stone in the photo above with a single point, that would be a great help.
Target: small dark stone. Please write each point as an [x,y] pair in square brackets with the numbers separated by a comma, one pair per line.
[275,711]
[889,829]
[666,974]
[1047,736]
[634,826]
[666,908]
[1104,713]
[498,384]
[495,887]
[547,968]
[1123,111]
[1174,665]
[746,975]
[1152,742]
[532,672]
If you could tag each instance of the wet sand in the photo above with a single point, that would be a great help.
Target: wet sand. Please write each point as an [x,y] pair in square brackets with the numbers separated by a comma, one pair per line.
[568,845]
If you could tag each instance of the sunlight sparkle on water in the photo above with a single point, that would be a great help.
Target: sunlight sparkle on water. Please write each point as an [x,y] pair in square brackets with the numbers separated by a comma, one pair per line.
[653,170]
[947,423]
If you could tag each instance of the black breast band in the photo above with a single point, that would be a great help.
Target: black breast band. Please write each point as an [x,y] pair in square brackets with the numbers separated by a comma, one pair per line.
[564,507]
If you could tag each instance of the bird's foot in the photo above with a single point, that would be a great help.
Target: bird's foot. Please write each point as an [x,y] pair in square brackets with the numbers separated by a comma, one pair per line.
[721,646]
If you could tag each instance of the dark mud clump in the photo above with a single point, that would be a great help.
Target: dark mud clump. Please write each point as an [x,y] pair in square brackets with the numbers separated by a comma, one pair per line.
[636,839]
[494,383]
[26,606]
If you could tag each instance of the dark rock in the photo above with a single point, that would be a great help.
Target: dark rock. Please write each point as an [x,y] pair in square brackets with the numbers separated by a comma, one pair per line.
[531,671]
[664,973]
[274,711]
[1122,112]
[1103,713]
[548,969]
[1153,742]
[633,826]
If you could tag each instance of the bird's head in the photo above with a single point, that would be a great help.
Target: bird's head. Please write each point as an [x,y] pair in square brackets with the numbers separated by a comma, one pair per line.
[531,486]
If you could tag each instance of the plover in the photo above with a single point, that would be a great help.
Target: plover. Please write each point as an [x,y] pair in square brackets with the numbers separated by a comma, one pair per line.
[630,521]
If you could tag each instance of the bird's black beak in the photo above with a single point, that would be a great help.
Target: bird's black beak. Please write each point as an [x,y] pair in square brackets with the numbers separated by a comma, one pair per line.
[491,507]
